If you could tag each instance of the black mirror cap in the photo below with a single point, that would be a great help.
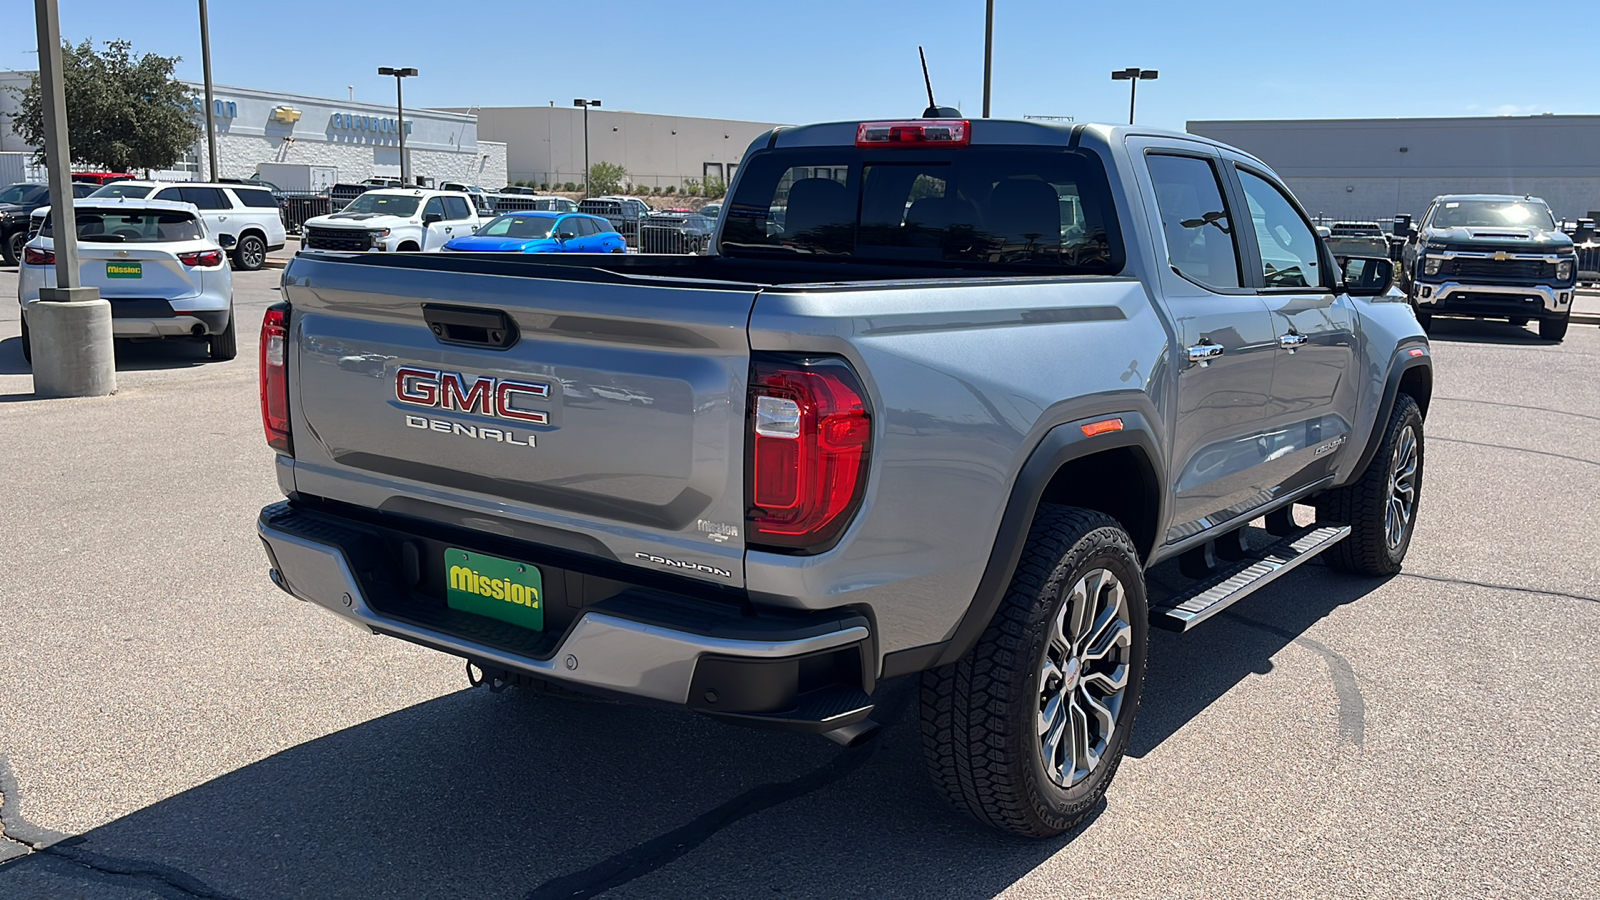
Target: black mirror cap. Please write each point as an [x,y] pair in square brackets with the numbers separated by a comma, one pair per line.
[1366,276]
[431,218]
[566,235]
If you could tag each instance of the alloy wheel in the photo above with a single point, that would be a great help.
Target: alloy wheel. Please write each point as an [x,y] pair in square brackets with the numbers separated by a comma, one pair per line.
[1083,677]
[1402,503]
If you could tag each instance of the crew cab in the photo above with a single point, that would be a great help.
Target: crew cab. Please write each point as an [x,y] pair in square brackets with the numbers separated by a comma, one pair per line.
[17,202]
[1491,256]
[393,219]
[939,421]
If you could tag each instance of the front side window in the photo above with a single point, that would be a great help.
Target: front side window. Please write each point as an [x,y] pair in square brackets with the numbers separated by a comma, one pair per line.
[457,208]
[970,206]
[435,207]
[384,204]
[1289,250]
[1201,244]
[1493,214]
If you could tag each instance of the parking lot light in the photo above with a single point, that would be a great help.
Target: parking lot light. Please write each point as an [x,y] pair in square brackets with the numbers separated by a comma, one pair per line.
[400,112]
[585,104]
[1133,76]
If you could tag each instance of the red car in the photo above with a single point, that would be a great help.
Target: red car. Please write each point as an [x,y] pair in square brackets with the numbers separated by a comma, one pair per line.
[101,177]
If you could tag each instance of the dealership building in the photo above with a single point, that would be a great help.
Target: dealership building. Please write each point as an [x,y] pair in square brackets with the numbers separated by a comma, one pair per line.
[335,140]
[545,144]
[1376,168]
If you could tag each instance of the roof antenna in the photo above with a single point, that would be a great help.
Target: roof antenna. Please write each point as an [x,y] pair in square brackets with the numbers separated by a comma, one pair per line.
[934,110]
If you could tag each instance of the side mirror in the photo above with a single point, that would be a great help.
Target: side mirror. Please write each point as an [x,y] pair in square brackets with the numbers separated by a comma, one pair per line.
[1366,276]
[226,241]
[1411,232]
[566,235]
[430,218]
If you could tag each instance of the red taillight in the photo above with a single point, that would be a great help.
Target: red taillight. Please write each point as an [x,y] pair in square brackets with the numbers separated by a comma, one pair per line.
[944,132]
[202,258]
[810,436]
[275,378]
[38,257]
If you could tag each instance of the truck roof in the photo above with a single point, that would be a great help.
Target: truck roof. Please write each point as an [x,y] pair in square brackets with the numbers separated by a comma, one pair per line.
[1454,198]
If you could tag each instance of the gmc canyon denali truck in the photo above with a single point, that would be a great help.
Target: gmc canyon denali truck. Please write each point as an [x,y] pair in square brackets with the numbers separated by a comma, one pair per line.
[942,419]
[1491,256]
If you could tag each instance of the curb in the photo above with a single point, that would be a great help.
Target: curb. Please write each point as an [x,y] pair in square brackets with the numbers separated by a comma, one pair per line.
[1585,318]
[275,263]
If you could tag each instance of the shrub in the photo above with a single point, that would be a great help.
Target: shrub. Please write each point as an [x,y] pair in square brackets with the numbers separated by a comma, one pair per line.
[671,189]
[569,187]
[655,191]
[544,185]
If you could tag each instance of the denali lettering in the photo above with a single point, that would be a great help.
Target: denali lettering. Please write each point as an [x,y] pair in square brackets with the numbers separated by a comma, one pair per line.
[484,432]
[680,564]
[483,395]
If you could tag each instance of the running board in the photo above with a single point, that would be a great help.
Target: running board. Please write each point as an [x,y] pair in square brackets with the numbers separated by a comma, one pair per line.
[1185,610]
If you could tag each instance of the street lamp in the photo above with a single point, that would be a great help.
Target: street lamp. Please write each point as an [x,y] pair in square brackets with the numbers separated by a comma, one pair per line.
[400,108]
[585,104]
[1133,76]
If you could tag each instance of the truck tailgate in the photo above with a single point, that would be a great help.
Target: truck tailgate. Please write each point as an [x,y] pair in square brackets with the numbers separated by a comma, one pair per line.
[613,425]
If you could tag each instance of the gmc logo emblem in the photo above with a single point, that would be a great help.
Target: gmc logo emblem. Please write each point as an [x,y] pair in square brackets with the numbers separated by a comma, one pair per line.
[483,395]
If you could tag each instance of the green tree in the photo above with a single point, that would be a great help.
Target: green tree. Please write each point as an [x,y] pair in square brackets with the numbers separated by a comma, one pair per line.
[605,178]
[125,112]
[715,188]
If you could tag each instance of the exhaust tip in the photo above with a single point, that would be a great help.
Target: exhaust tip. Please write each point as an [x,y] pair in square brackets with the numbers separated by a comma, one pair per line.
[854,735]
[198,331]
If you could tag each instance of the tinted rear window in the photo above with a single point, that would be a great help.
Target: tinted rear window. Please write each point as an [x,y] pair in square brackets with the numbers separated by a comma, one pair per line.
[132,226]
[997,205]
[258,199]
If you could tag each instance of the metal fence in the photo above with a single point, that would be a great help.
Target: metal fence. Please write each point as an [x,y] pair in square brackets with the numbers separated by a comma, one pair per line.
[1589,263]
[665,234]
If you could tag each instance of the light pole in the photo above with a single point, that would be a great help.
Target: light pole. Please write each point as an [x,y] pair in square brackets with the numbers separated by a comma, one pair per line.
[585,104]
[69,328]
[1133,76]
[400,109]
[211,117]
[988,55]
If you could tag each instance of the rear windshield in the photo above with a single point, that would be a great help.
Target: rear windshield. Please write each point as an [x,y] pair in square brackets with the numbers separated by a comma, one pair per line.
[133,226]
[1005,206]
[116,189]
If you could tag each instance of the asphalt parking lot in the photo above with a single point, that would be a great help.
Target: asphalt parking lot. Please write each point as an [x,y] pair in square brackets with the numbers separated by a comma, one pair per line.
[171,725]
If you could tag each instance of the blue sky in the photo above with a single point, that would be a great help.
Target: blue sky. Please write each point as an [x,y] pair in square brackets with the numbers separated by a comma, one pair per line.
[824,59]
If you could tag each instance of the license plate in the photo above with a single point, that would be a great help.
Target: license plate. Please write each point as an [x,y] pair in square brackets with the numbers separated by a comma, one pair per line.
[124,270]
[498,588]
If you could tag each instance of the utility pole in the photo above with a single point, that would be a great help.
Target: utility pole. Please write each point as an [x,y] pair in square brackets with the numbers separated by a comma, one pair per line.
[585,104]
[211,100]
[400,110]
[69,327]
[988,56]
[1133,76]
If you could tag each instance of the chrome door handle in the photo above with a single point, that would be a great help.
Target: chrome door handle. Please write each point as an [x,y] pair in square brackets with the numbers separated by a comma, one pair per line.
[1292,341]
[1204,353]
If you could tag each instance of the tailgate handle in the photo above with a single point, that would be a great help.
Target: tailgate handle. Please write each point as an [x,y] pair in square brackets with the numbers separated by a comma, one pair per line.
[490,328]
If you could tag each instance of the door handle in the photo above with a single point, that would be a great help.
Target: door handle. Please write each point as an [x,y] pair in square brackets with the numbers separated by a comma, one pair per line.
[1204,353]
[1292,341]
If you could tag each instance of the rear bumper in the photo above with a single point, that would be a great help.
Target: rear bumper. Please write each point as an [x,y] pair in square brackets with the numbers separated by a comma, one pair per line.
[804,673]
[1457,298]
[157,319]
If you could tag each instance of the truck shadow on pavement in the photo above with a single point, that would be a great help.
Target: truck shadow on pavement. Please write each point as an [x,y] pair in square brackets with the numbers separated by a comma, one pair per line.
[1483,331]
[476,794]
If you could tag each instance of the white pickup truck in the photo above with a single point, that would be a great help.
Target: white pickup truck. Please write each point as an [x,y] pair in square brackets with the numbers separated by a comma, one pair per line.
[394,219]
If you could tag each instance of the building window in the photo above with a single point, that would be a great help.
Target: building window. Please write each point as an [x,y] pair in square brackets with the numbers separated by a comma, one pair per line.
[189,162]
[712,170]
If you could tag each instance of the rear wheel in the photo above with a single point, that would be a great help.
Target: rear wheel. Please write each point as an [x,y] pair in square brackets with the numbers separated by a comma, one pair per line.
[1554,329]
[12,248]
[1026,731]
[250,254]
[225,346]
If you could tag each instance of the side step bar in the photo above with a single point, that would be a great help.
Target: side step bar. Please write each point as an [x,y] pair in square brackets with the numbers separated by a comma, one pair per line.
[1189,608]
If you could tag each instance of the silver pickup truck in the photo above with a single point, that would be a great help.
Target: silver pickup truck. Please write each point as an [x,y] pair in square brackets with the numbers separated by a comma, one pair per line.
[939,398]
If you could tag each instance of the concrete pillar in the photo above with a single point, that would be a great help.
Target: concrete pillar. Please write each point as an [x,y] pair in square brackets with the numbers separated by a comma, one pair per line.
[69,337]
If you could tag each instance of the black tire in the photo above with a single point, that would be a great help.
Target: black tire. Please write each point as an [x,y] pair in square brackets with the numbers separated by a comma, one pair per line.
[225,346]
[1519,321]
[12,248]
[1554,329]
[980,715]
[27,343]
[1364,503]
[250,253]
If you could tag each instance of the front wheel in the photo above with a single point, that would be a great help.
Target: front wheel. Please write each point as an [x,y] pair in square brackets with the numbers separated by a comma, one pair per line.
[1554,329]
[1381,505]
[1026,731]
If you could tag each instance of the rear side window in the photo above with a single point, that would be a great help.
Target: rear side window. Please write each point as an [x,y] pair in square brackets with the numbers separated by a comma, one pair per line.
[256,199]
[1195,220]
[134,226]
[202,197]
[980,205]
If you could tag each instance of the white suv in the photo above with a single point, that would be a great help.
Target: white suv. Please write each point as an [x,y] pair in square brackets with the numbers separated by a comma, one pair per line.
[246,215]
[393,219]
